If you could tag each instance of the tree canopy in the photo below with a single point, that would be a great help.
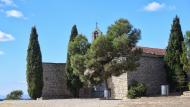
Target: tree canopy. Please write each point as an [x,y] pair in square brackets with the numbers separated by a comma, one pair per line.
[15,95]
[73,81]
[78,49]
[185,58]
[174,66]
[34,70]
[112,54]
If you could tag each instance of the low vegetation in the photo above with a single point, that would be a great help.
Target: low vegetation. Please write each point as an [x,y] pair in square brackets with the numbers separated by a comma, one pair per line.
[136,89]
[15,95]
[189,86]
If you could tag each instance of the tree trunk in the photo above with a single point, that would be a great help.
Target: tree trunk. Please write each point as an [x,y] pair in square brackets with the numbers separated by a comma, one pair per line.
[76,93]
[106,84]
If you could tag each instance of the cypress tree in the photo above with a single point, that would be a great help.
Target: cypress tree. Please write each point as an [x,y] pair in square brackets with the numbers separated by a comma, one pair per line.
[73,81]
[34,66]
[185,58]
[74,33]
[175,72]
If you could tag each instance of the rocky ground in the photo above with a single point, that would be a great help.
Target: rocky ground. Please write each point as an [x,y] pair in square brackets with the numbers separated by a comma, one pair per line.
[174,101]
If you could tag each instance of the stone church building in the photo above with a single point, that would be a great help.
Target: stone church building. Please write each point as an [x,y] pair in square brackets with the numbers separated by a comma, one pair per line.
[151,72]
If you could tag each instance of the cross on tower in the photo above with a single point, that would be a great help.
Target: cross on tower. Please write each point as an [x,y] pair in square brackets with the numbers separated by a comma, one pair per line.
[96,25]
[96,33]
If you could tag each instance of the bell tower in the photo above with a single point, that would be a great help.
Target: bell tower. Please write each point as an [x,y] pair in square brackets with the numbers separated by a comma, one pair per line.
[96,32]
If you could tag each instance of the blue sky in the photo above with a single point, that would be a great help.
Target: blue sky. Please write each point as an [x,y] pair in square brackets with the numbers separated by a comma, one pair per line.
[54,19]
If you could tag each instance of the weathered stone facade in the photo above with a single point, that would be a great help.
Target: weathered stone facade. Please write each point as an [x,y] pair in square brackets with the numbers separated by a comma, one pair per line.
[118,86]
[55,85]
[151,72]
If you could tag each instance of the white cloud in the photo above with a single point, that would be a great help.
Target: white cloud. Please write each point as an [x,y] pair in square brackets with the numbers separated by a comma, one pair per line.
[154,6]
[14,13]
[1,52]
[7,2]
[6,37]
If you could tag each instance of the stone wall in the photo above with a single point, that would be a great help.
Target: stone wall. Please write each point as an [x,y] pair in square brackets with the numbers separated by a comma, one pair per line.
[85,92]
[55,85]
[151,72]
[118,86]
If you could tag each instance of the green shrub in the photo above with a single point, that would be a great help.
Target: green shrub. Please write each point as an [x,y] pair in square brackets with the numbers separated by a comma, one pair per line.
[136,90]
[189,86]
[15,95]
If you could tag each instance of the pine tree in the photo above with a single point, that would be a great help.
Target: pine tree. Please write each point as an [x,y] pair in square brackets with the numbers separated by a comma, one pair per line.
[175,72]
[113,54]
[34,66]
[73,81]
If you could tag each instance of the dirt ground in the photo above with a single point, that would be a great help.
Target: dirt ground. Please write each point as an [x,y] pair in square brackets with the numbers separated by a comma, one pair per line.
[174,101]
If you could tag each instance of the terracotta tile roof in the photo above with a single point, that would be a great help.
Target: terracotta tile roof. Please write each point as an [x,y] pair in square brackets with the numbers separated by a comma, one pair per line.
[153,51]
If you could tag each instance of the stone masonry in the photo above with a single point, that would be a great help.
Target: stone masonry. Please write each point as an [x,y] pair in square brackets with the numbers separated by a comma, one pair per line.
[151,72]
[55,85]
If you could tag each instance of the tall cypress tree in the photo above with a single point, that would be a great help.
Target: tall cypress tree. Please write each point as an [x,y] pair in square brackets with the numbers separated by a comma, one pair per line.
[175,73]
[73,81]
[74,33]
[185,58]
[34,66]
